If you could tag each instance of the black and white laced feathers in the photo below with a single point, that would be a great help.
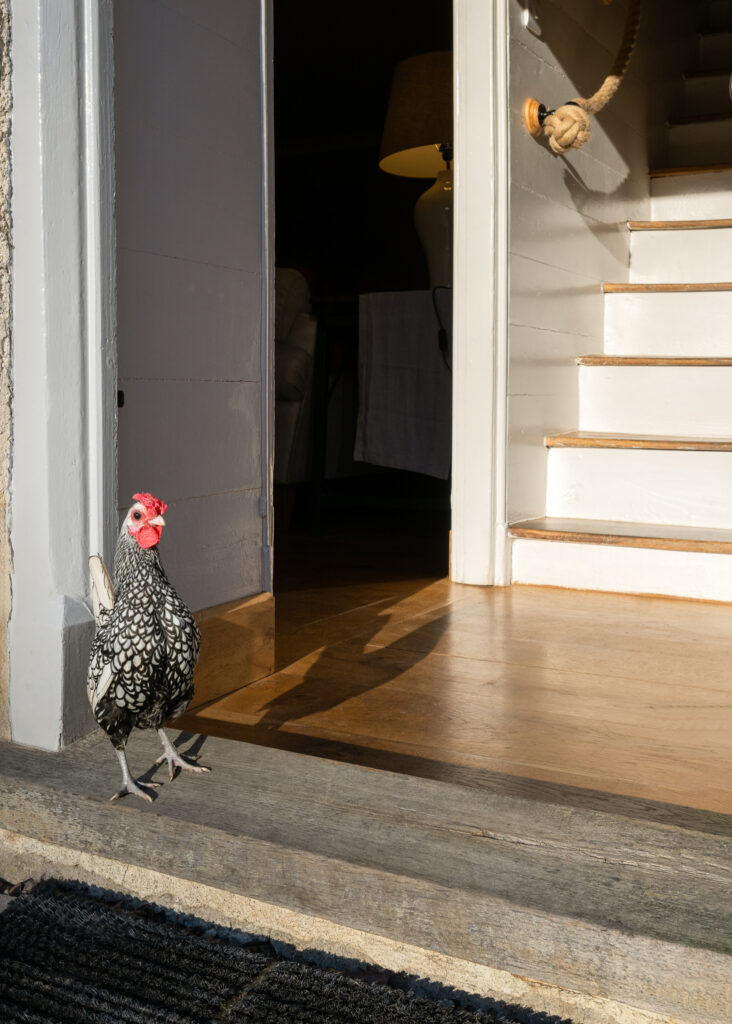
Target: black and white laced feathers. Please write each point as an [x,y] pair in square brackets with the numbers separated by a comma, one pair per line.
[146,645]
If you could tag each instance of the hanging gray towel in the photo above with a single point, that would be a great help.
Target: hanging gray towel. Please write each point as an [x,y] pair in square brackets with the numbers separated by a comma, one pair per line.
[404,384]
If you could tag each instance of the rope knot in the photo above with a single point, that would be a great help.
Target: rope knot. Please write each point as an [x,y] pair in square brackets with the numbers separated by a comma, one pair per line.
[567,128]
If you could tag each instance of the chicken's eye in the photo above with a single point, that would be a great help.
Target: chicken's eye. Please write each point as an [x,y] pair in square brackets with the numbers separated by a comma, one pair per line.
[137,515]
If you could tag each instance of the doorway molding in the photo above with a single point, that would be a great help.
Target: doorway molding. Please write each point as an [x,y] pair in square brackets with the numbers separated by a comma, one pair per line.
[479,552]
[61,492]
[101,271]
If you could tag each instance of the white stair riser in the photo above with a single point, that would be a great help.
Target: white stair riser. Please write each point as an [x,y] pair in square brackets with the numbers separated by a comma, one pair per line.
[622,569]
[692,196]
[693,401]
[688,488]
[707,95]
[705,141]
[681,256]
[715,50]
[720,15]
[668,323]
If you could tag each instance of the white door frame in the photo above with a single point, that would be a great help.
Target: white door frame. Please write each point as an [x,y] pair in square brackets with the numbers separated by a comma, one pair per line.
[101,273]
[480,324]
[268,304]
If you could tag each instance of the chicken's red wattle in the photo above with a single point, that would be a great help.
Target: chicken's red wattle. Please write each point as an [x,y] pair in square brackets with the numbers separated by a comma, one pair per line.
[148,536]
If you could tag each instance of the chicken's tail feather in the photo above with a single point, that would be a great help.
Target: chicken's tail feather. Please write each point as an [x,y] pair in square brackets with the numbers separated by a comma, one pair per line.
[102,589]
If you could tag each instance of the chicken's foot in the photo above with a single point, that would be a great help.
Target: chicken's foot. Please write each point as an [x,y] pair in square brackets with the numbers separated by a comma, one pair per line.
[129,785]
[176,760]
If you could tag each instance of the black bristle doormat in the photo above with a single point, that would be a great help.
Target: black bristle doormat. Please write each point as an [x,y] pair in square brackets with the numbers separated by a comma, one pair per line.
[75,954]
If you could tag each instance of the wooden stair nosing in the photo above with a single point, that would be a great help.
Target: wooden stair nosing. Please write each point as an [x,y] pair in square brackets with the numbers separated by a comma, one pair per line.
[678,225]
[647,442]
[682,361]
[670,172]
[631,535]
[615,288]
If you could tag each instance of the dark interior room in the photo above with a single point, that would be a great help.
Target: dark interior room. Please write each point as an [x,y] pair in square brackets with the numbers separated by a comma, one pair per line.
[355,491]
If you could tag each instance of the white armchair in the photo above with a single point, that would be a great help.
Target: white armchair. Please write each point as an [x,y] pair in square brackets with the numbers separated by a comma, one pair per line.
[295,337]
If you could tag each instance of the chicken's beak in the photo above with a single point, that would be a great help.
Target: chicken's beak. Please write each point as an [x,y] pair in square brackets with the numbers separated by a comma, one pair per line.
[157,521]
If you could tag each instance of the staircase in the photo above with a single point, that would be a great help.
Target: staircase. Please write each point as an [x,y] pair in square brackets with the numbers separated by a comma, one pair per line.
[639,499]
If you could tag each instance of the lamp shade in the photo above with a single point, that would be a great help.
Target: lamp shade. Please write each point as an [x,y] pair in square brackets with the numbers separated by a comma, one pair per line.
[419,116]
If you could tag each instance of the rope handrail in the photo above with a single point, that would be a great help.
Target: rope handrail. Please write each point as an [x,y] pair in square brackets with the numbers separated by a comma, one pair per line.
[568,127]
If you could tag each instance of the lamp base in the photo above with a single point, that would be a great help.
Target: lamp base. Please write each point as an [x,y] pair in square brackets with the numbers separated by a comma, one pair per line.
[433,221]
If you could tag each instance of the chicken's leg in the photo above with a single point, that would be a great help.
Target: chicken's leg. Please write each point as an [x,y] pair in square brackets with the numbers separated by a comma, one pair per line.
[174,759]
[129,785]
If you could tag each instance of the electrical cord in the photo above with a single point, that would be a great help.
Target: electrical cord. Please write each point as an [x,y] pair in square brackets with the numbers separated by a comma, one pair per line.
[442,335]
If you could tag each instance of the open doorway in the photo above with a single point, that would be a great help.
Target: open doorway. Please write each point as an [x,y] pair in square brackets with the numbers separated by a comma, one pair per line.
[362,338]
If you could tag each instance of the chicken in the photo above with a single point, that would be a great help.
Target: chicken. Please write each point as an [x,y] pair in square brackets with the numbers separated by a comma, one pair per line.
[146,644]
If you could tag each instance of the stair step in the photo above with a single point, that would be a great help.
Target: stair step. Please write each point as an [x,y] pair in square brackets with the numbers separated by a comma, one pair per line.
[641,558]
[708,72]
[690,320]
[637,478]
[691,193]
[710,135]
[676,170]
[653,361]
[688,398]
[649,442]
[715,49]
[719,13]
[707,92]
[619,567]
[695,252]
[651,287]
[634,535]
[678,225]
[703,118]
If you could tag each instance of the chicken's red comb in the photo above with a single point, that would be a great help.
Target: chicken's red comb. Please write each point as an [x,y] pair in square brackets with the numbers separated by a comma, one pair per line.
[154,506]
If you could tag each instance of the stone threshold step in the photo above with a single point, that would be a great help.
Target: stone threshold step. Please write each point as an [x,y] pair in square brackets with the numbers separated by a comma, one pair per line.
[632,535]
[21,856]
[621,906]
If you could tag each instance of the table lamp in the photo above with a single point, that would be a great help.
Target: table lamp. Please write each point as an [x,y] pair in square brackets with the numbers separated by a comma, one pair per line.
[417,143]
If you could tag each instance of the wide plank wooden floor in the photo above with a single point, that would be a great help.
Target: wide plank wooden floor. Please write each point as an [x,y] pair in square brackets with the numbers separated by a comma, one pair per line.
[622,695]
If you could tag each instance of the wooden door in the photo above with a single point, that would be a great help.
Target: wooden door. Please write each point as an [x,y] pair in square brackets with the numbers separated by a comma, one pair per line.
[192,281]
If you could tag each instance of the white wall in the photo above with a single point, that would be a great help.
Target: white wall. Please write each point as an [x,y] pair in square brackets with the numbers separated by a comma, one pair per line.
[53,415]
[189,164]
[568,214]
